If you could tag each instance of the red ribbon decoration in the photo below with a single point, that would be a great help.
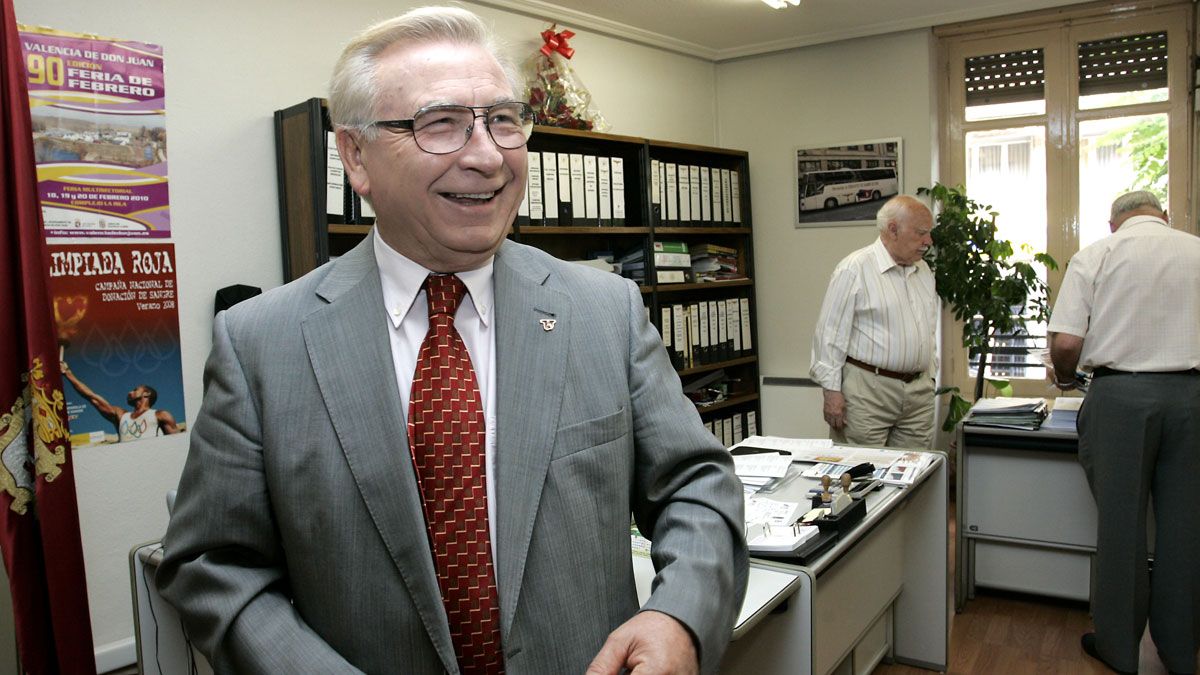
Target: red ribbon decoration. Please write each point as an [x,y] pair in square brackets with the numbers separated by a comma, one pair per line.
[557,42]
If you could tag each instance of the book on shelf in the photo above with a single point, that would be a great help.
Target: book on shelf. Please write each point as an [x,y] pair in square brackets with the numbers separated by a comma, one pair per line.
[335,181]
[578,190]
[550,187]
[534,189]
[566,216]
[713,262]
[604,189]
[656,190]
[679,339]
[591,191]
[523,209]
[685,195]
[670,246]
[671,216]
[726,196]
[671,276]
[618,191]
[735,197]
[694,194]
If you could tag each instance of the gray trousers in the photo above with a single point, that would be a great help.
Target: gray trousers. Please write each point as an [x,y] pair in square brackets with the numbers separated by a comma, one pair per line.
[1139,438]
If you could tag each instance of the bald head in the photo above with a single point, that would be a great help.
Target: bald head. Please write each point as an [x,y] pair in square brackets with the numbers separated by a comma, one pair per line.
[904,226]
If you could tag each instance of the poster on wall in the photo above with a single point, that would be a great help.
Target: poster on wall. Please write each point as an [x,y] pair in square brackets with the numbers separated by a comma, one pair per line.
[117,323]
[99,134]
[846,184]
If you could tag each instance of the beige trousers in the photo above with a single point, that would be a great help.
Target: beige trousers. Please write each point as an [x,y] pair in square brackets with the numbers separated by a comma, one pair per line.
[884,411]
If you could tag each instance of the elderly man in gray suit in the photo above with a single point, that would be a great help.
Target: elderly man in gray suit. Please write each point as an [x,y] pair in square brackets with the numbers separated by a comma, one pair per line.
[334,516]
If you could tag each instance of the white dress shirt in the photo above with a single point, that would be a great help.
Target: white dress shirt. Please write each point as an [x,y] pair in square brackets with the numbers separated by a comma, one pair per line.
[878,312]
[408,312]
[1134,297]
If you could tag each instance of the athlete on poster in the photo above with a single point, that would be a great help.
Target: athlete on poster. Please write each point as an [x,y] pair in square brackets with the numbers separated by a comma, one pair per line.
[118,330]
[99,134]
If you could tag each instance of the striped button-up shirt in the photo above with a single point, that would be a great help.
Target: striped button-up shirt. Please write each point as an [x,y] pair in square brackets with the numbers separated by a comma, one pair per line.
[878,312]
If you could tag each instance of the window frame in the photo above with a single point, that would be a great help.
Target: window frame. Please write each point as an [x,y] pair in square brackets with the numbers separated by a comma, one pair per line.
[1058,33]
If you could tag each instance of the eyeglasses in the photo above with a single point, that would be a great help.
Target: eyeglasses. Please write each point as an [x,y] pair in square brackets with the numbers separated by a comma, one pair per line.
[443,129]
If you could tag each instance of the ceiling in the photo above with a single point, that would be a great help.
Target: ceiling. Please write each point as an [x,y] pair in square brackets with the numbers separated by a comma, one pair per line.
[719,30]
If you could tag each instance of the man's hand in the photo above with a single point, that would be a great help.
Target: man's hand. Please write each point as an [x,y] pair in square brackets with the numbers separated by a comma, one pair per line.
[651,643]
[835,409]
[1065,350]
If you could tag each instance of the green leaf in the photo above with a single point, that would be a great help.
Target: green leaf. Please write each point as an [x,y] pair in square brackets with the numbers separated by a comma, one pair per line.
[1002,387]
[955,412]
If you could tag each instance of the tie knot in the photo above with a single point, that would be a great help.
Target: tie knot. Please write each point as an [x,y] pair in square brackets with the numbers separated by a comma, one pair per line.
[445,292]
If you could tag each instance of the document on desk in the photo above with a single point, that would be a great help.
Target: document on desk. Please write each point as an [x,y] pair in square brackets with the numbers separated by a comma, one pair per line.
[792,445]
[767,464]
[905,469]
[776,513]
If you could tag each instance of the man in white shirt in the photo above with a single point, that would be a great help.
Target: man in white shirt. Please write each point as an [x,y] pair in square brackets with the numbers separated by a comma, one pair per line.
[872,352]
[1129,311]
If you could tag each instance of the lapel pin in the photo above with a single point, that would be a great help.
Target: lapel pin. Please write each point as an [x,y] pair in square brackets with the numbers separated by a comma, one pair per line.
[548,324]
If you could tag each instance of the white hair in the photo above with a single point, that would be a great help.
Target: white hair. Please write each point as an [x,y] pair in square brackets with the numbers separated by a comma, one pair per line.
[1131,201]
[897,205]
[353,90]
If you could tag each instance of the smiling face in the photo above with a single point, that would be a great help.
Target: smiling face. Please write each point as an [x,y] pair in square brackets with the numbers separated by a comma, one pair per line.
[448,213]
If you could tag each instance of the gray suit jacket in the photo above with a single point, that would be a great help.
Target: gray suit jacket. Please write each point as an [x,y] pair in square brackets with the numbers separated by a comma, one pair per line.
[298,543]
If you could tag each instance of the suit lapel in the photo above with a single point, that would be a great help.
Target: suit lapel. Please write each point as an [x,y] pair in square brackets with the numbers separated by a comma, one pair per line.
[530,365]
[351,356]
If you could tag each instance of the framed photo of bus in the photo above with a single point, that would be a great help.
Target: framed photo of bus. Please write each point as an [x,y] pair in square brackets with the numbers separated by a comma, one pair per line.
[846,184]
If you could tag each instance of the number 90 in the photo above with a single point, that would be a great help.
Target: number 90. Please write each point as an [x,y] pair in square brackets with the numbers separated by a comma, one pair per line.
[44,69]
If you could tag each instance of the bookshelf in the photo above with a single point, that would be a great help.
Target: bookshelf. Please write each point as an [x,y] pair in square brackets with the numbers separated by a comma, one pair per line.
[730,402]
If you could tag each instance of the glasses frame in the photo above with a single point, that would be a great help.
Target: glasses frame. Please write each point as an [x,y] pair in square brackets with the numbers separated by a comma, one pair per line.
[478,111]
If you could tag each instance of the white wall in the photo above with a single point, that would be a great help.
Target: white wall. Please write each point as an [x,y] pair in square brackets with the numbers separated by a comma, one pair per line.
[229,65]
[869,88]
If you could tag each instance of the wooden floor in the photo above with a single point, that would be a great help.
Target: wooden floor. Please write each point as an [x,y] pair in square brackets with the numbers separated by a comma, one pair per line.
[1015,634]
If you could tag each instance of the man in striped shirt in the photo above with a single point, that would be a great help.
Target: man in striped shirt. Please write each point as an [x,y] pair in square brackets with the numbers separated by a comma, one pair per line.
[872,352]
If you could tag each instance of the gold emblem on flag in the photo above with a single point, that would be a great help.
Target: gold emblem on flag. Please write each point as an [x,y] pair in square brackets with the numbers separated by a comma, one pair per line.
[43,407]
[14,477]
[50,434]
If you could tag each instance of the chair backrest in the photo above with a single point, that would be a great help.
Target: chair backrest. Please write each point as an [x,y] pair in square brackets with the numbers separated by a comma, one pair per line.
[170,501]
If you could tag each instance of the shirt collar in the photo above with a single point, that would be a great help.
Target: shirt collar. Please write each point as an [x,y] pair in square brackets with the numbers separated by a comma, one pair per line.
[883,259]
[402,278]
[1135,221]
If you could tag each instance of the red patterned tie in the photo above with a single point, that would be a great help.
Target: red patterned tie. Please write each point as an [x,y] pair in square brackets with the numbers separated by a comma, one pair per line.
[446,433]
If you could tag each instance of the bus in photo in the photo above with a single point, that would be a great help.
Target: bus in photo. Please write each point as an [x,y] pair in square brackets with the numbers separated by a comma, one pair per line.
[837,187]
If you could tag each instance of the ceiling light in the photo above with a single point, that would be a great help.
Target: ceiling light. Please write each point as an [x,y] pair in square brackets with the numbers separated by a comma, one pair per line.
[780,4]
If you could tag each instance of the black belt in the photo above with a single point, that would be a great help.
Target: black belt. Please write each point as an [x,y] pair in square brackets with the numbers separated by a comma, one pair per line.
[1105,371]
[903,377]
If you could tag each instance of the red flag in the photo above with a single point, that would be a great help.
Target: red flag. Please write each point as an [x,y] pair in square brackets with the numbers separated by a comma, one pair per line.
[39,519]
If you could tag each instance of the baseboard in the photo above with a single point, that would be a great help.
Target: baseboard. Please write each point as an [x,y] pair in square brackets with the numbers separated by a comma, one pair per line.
[114,655]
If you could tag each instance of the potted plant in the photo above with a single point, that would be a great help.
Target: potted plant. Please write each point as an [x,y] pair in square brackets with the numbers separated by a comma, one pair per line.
[988,289]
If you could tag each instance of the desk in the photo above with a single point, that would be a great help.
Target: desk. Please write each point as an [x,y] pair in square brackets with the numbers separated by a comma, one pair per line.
[163,650]
[882,590]
[1026,520]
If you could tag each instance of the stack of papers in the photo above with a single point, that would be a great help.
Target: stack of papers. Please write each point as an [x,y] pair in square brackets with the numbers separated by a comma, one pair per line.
[1008,413]
[1064,414]
[758,469]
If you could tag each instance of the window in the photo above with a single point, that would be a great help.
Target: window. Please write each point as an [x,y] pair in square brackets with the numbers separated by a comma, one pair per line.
[1047,120]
